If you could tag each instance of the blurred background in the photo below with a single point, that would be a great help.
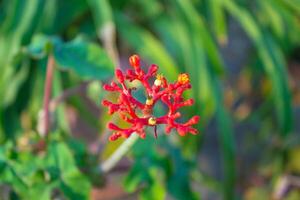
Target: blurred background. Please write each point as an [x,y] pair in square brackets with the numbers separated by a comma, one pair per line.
[243,57]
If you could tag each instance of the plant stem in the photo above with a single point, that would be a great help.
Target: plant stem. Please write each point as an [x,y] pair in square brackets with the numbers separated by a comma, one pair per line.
[47,93]
[107,165]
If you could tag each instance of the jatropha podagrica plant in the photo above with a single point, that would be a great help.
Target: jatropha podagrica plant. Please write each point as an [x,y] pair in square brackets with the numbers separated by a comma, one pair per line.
[157,88]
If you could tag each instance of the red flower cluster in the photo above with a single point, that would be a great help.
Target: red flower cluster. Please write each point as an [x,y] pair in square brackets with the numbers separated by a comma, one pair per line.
[169,93]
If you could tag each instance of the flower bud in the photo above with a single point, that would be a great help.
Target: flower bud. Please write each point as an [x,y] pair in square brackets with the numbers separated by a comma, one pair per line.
[119,75]
[113,127]
[181,131]
[176,115]
[114,136]
[142,135]
[108,87]
[193,131]
[168,129]
[192,121]
[153,69]
[189,102]
[134,61]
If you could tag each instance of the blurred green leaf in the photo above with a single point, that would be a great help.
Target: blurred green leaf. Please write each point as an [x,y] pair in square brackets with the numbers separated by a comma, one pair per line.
[173,33]
[21,173]
[87,60]
[18,26]
[91,62]
[164,163]
[227,142]
[76,186]
[275,21]
[156,189]
[62,165]
[19,77]
[94,91]
[178,36]
[147,46]
[150,9]
[41,45]
[196,25]
[273,64]
[102,13]
[218,19]
[68,12]
[294,4]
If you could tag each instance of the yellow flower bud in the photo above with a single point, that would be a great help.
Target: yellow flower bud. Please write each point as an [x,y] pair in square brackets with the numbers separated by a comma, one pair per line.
[183,78]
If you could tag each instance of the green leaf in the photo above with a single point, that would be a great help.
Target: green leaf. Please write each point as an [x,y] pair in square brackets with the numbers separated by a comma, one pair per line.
[228,150]
[275,19]
[149,9]
[175,35]
[218,20]
[41,45]
[85,59]
[105,26]
[273,63]
[75,186]
[148,46]
[18,26]
[62,167]
[196,24]
[65,12]
[15,83]
[102,13]
[294,4]
[156,189]
[39,191]
[60,157]
[94,90]
[135,177]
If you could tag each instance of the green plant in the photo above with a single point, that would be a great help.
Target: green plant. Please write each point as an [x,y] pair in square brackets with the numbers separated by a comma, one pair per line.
[72,47]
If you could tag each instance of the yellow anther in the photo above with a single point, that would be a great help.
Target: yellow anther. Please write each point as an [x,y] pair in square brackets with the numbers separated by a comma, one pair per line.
[158,80]
[149,102]
[183,78]
[152,121]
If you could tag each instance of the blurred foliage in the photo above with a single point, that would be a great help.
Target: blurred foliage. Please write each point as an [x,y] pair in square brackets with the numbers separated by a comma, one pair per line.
[85,38]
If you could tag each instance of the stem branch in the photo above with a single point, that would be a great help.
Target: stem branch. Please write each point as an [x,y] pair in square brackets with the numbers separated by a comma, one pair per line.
[66,94]
[118,154]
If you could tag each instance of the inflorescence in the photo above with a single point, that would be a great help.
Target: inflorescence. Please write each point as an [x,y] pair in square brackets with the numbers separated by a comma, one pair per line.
[169,93]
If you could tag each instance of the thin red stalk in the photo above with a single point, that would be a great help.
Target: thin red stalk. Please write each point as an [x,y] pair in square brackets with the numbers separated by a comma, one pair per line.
[47,93]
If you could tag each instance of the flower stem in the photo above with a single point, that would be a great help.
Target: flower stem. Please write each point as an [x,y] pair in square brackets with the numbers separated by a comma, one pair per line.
[47,93]
[107,165]
[54,103]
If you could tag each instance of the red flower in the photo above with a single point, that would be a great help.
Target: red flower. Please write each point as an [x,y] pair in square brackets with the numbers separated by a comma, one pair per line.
[127,106]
